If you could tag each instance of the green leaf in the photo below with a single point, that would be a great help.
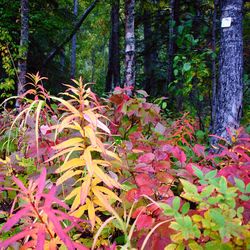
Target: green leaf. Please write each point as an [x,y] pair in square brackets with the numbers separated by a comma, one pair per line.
[176,203]
[223,185]
[198,172]
[186,66]
[248,188]
[245,197]
[194,246]
[185,208]
[166,208]
[211,174]
[188,187]
[207,191]
[217,217]
[240,184]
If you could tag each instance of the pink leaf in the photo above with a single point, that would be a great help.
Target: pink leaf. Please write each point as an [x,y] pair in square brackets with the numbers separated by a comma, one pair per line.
[15,218]
[20,184]
[179,154]
[4,244]
[146,158]
[199,150]
[41,238]
[44,129]
[59,230]
[144,221]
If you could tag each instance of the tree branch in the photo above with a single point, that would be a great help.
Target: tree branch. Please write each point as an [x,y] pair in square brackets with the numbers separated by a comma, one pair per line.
[57,49]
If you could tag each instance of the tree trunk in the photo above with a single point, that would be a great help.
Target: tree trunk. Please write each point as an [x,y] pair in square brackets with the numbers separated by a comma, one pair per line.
[173,23]
[73,51]
[24,42]
[113,73]
[214,71]
[150,55]
[230,85]
[129,44]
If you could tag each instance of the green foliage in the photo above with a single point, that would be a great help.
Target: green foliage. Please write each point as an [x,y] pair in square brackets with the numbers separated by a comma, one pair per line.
[8,56]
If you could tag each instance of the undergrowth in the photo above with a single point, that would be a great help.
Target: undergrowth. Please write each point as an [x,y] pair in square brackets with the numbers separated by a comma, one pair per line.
[77,172]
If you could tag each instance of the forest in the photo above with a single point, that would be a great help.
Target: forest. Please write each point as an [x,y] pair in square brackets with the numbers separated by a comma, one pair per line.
[125,124]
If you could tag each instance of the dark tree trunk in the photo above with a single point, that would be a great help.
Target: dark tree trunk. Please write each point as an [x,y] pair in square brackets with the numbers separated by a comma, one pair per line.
[73,51]
[129,44]
[230,84]
[24,42]
[172,48]
[214,71]
[113,73]
[150,54]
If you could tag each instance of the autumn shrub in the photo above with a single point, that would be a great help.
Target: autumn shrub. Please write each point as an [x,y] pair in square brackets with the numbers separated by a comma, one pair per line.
[78,172]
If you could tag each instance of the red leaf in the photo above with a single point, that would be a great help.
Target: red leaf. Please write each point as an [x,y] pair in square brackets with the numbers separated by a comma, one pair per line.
[199,150]
[144,221]
[133,195]
[161,165]
[144,179]
[179,154]
[146,190]
[146,158]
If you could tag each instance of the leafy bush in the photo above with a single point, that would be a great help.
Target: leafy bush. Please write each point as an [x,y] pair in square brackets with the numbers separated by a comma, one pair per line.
[79,172]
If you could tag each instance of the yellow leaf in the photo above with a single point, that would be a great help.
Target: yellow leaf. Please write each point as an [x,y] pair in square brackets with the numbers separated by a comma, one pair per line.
[111,194]
[88,159]
[67,150]
[95,181]
[73,193]
[113,155]
[80,211]
[197,218]
[105,178]
[170,247]
[66,122]
[71,164]
[76,202]
[67,175]
[66,104]
[69,143]
[102,163]
[89,132]
[85,189]
[91,212]
[38,110]
[106,204]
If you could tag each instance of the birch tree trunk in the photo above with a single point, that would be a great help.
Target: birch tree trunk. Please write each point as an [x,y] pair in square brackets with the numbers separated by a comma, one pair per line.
[230,84]
[129,44]
[113,74]
[24,43]
[214,70]
[73,51]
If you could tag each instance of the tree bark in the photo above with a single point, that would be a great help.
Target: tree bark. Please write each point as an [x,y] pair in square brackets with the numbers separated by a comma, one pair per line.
[113,73]
[57,49]
[173,23]
[73,51]
[214,70]
[230,84]
[24,43]
[129,44]
[150,54]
